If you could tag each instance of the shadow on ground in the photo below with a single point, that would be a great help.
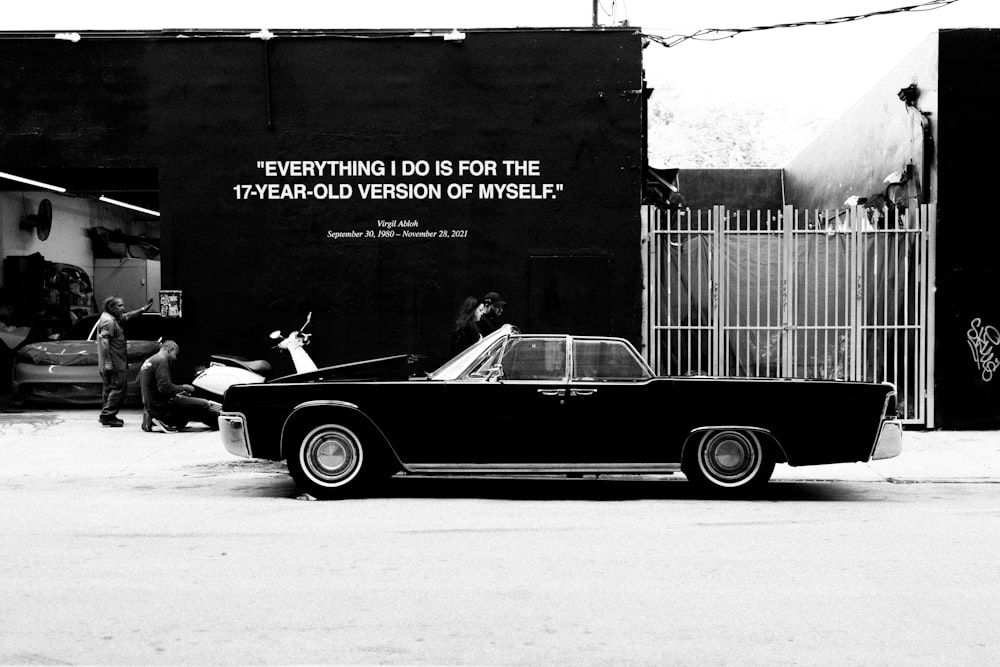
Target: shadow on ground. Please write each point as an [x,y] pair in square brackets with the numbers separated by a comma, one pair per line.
[271,479]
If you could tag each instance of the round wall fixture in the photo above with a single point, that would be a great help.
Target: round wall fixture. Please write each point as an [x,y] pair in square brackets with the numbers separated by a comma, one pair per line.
[41,221]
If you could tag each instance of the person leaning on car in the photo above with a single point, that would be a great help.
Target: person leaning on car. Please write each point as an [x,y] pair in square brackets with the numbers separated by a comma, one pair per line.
[166,405]
[492,312]
[112,356]
[465,331]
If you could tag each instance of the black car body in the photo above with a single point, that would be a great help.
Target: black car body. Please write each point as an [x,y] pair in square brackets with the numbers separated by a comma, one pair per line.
[551,404]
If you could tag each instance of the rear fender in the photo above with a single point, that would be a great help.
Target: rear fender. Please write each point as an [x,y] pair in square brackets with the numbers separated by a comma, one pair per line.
[767,438]
[333,410]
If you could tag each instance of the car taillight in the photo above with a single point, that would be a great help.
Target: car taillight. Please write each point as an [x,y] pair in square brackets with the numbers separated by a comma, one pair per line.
[890,407]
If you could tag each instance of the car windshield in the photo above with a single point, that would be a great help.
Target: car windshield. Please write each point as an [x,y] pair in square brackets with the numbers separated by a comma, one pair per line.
[81,329]
[456,366]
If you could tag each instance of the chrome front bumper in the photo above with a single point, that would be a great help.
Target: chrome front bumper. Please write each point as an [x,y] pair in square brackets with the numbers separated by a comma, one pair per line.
[233,429]
[890,440]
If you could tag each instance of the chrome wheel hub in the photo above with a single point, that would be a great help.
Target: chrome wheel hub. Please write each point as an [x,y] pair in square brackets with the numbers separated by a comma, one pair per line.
[730,457]
[331,455]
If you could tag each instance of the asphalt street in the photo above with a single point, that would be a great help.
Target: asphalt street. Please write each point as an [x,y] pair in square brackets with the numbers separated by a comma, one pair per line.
[123,547]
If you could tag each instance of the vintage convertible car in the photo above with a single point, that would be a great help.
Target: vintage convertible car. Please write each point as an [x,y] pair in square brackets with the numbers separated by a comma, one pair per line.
[519,404]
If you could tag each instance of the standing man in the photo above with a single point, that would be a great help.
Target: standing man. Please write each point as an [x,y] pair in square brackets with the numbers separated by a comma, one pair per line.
[490,321]
[112,355]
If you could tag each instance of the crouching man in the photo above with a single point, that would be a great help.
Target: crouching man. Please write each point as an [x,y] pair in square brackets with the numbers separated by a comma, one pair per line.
[168,406]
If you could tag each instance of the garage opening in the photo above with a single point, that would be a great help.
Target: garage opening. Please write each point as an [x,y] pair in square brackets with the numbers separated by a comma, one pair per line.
[68,239]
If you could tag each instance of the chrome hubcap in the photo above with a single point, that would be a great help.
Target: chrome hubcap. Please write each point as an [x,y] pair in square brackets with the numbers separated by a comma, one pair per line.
[730,457]
[331,455]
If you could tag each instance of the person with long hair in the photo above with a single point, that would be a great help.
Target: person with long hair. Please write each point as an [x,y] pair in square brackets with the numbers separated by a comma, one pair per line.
[465,332]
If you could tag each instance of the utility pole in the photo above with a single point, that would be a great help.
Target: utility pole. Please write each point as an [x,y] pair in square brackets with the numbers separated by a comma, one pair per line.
[595,12]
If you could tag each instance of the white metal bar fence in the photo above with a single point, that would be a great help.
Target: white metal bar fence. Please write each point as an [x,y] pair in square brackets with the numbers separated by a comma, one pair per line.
[793,293]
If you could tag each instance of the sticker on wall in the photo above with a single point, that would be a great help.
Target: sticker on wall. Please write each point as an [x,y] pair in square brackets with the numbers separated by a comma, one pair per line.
[170,303]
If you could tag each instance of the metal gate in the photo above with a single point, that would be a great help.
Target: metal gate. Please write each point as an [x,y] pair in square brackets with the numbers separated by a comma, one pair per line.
[793,293]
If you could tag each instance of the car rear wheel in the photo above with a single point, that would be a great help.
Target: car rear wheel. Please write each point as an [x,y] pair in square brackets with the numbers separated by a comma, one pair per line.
[729,460]
[329,461]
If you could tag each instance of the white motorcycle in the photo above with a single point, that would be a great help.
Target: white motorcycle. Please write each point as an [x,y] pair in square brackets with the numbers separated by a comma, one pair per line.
[224,371]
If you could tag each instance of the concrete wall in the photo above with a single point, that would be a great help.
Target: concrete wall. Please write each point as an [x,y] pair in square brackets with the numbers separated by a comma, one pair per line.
[875,137]
[68,241]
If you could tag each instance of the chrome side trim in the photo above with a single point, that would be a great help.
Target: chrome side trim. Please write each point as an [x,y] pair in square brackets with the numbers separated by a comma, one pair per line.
[732,427]
[890,440]
[541,468]
[234,434]
[312,404]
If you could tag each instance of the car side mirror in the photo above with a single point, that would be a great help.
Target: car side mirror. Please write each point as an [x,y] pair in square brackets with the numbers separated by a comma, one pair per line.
[275,335]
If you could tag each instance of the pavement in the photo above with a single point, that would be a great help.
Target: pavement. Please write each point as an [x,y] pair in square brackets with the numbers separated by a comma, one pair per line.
[71,442]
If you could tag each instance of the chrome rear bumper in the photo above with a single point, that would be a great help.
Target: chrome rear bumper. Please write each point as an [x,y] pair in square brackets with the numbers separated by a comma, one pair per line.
[233,429]
[890,440]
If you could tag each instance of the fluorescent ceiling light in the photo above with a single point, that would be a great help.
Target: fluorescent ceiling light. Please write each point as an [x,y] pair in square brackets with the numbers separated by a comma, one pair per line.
[19,179]
[108,200]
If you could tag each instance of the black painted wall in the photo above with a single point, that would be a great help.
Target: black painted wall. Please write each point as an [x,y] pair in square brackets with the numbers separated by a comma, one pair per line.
[968,241]
[206,109]
[736,189]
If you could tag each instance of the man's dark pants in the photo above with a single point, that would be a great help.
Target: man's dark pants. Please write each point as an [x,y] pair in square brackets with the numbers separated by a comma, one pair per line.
[179,410]
[114,393]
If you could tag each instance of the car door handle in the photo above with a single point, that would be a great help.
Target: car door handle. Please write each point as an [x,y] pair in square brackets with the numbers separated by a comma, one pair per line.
[582,392]
[552,392]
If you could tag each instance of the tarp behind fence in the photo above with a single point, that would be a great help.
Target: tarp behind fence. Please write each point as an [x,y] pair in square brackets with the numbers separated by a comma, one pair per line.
[752,296]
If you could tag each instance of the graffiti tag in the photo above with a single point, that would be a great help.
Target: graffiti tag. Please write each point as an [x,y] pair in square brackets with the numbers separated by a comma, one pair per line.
[982,341]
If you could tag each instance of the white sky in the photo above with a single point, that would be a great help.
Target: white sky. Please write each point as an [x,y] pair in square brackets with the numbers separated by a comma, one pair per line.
[830,66]
[773,64]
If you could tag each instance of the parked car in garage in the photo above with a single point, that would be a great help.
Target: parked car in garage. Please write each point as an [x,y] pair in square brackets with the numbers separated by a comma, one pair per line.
[65,372]
[525,404]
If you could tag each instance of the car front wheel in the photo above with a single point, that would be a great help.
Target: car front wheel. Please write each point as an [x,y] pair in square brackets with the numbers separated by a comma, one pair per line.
[328,461]
[729,460]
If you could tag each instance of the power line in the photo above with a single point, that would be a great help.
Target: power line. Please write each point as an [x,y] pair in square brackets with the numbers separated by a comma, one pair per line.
[613,13]
[716,34]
